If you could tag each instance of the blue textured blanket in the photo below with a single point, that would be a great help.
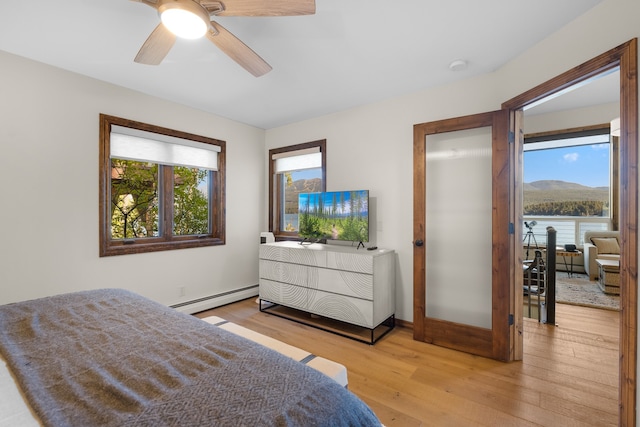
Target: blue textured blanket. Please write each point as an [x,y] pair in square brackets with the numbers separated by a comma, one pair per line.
[111,357]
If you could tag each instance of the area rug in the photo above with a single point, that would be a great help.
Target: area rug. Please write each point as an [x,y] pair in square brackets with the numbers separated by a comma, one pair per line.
[579,290]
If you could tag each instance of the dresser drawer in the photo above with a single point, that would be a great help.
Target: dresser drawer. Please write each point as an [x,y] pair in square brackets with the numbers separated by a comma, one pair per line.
[342,282]
[293,255]
[283,272]
[283,293]
[352,310]
[360,263]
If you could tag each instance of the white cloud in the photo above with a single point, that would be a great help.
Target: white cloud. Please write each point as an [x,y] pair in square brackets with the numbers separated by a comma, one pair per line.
[570,157]
[600,146]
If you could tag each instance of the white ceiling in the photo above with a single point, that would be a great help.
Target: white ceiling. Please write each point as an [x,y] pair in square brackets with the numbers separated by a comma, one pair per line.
[350,53]
[600,89]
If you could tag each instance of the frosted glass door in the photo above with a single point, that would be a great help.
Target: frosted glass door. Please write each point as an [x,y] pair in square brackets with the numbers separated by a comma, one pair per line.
[458,226]
[462,238]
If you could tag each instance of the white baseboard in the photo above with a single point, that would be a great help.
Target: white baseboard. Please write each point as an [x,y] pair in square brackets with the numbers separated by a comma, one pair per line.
[212,301]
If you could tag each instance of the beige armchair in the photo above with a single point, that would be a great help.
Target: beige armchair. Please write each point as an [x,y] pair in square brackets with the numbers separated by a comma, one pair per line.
[602,245]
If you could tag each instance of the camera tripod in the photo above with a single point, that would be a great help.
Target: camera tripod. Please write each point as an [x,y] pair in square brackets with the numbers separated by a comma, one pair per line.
[527,238]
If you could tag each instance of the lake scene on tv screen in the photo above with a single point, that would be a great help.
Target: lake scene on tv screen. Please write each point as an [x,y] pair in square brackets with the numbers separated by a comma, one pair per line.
[335,215]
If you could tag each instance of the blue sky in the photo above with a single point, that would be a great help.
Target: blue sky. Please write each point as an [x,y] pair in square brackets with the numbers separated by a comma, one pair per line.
[584,164]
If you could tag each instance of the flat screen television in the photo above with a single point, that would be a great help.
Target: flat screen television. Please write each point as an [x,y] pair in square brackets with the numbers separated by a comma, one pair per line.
[335,215]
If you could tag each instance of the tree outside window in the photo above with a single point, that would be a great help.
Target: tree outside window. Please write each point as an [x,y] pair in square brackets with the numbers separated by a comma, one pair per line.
[190,201]
[160,189]
[134,199]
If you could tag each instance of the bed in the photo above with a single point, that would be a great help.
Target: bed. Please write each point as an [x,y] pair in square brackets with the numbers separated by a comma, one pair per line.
[114,358]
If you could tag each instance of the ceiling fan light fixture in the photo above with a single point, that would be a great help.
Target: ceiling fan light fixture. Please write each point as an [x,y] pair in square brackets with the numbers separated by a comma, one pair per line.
[185,19]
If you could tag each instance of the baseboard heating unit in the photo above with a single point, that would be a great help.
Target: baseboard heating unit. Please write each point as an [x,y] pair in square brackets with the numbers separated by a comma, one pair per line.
[212,301]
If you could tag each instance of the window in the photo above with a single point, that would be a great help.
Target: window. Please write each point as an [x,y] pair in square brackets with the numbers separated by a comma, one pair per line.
[569,182]
[293,170]
[160,189]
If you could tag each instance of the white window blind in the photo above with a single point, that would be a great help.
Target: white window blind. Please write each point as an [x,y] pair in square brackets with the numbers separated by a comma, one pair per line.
[134,144]
[289,161]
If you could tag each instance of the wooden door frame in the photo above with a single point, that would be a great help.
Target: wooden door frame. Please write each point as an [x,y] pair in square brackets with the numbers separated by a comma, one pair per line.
[493,343]
[624,56]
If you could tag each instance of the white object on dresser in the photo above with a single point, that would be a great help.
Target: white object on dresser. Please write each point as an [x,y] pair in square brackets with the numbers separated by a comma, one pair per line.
[351,285]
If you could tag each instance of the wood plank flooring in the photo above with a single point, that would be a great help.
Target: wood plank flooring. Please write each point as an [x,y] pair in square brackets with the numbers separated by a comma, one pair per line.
[569,375]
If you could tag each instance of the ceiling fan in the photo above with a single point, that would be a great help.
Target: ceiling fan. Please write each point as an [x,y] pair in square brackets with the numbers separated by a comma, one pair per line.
[192,19]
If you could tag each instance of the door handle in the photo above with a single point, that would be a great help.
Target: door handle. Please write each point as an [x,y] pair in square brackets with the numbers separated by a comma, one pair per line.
[419,242]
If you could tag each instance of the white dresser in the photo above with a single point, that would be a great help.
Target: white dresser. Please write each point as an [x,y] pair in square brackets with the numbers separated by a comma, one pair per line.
[351,285]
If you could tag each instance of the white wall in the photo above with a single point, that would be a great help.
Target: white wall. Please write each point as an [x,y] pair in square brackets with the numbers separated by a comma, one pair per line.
[593,115]
[371,146]
[49,191]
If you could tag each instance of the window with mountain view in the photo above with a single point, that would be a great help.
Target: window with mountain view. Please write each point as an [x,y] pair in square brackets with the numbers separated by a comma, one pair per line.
[294,169]
[567,184]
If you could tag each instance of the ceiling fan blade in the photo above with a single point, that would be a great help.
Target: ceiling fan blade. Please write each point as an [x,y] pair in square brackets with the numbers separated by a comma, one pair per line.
[262,7]
[156,47]
[237,50]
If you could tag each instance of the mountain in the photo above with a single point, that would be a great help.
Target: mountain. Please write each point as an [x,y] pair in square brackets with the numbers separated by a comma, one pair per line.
[552,197]
[551,185]
[306,186]
[300,186]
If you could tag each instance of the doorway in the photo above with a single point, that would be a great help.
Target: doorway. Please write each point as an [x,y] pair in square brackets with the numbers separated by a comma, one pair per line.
[625,57]
[570,183]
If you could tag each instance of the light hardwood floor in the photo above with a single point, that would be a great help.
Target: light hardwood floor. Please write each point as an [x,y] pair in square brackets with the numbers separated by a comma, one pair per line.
[569,375]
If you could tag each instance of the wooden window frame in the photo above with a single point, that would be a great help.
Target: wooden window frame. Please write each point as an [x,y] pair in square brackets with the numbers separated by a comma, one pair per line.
[166,240]
[275,185]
